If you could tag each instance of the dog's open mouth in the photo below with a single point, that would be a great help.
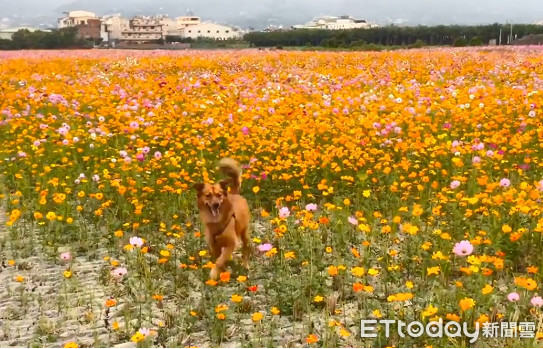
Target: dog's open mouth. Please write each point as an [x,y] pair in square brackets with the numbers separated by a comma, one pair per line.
[214,210]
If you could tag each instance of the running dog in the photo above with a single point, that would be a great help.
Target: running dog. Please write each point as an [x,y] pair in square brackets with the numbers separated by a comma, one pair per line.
[225,216]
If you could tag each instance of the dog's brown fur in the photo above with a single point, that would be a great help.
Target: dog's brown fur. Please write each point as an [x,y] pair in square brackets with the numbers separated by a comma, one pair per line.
[225,216]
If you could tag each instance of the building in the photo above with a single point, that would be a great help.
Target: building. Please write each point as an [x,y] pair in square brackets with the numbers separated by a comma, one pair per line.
[211,31]
[90,30]
[87,24]
[112,27]
[75,18]
[187,21]
[143,29]
[336,23]
[7,33]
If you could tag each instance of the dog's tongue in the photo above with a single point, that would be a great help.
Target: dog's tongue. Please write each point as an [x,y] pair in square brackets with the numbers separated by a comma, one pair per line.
[215,212]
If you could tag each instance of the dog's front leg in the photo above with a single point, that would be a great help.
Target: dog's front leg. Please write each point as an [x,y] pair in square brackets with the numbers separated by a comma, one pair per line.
[227,245]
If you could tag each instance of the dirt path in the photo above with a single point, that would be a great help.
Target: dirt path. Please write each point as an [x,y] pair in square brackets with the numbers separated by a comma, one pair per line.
[46,309]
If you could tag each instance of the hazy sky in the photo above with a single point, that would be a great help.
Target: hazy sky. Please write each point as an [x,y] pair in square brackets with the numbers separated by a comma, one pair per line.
[289,12]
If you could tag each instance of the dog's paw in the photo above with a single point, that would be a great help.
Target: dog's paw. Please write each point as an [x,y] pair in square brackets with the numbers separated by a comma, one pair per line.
[214,273]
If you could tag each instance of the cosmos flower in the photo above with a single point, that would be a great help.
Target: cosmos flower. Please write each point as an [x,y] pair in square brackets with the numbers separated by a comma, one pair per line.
[463,248]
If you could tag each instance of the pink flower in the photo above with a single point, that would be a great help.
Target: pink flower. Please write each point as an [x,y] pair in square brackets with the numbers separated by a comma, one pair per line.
[476,160]
[144,331]
[311,207]
[136,241]
[265,247]
[505,183]
[513,297]
[134,125]
[158,155]
[455,184]
[66,256]
[118,273]
[284,212]
[245,130]
[537,301]
[352,220]
[264,175]
[463,248]
[140,157]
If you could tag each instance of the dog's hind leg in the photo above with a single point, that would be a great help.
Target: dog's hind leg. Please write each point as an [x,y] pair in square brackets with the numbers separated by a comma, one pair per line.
[246,249]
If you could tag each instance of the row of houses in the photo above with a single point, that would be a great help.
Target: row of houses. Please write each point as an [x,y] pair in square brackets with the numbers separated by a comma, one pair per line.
[336,23]
[115,28]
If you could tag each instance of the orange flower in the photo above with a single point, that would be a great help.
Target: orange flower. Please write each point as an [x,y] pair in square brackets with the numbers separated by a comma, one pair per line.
[111,303]
[466,303]
[225,277]
[312,339]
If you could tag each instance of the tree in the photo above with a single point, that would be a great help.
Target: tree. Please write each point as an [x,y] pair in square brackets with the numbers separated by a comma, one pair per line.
[460,42]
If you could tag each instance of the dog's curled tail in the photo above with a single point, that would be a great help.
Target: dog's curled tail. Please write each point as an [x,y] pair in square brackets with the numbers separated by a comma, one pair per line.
[231,168]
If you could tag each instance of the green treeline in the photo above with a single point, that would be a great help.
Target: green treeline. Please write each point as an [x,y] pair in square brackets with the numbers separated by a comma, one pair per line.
[392,36]
[56,39]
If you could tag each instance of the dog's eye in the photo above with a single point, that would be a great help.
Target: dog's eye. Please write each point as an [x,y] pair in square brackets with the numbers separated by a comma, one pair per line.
[208,195]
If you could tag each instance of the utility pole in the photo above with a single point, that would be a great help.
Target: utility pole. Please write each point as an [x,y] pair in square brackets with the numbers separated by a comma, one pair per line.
[500,38]
[511,33]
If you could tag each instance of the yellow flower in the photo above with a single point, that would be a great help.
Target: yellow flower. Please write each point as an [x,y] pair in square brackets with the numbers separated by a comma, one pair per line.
[373,272]
[256,189]
[433,270]
[344,333]
[137,337]
[290,255]
[364,227]
[242,278]
[409,284]
[71,345]
[275,311]
[165,253]
[487,289]
[318,299]
[67,274]
[430,311]
[236,298]
[366,193]
[358,271]
[257,317]
[51,216]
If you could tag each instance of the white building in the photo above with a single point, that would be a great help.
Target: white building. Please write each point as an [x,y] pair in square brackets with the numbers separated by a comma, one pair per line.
[8,32]
[75,18]
[112,27]
[336,23]
[211,31]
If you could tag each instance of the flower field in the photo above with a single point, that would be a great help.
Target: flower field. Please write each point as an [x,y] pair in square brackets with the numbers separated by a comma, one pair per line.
[400,185]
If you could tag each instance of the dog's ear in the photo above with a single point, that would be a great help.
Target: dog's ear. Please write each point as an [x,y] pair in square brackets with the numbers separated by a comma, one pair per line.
[198,187]
[224,185]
